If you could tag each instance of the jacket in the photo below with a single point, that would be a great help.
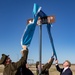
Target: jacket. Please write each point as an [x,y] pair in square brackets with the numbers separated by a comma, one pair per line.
[12,68]
[66,72]
[46,67]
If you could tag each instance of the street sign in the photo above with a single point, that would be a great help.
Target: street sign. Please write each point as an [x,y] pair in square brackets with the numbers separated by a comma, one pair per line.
[43,20]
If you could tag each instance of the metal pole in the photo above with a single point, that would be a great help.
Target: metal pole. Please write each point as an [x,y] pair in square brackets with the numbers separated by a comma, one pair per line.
[40,48]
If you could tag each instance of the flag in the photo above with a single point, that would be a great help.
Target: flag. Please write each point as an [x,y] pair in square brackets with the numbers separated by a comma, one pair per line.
[30,28]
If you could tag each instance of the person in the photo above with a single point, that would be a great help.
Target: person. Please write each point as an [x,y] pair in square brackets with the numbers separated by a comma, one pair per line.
[66,68]
[14,68]
[44,68]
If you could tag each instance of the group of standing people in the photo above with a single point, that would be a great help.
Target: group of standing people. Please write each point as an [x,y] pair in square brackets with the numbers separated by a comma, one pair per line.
[20,68]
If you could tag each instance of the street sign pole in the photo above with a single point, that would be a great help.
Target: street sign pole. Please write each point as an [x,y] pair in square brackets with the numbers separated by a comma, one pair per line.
[40,47]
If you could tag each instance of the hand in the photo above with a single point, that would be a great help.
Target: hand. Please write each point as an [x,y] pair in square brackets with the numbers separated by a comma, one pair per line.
[49,60]
[24,47]
[56,61]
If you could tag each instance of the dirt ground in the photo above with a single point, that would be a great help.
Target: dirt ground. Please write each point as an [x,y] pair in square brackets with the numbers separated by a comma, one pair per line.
[52,70]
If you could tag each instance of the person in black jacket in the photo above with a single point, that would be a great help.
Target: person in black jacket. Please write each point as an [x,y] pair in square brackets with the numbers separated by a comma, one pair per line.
[66,68]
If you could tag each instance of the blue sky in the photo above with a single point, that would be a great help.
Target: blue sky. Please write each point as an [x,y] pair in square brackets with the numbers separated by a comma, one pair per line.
[13,20]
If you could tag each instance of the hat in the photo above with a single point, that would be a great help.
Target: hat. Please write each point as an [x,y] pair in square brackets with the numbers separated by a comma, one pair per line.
[3,58]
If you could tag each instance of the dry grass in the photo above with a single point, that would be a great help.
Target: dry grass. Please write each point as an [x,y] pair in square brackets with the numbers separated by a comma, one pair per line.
[1,68]
[52,70]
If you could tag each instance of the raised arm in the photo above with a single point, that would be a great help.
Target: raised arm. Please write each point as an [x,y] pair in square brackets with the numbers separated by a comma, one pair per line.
[57,66]
[48,65]
[23,59]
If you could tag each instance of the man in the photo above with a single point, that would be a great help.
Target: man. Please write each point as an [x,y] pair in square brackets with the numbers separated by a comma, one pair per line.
[44,68]
[66,68]
[14,68]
